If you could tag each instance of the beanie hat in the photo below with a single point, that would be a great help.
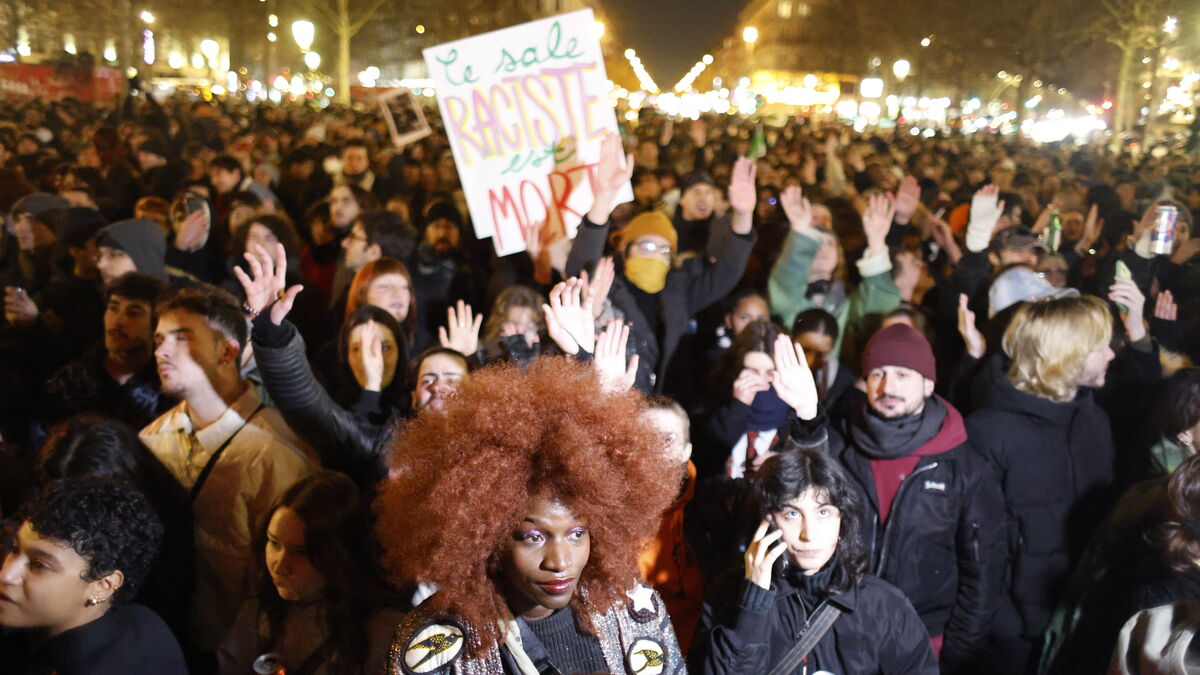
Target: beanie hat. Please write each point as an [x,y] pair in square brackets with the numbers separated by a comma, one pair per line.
[1021,284]
[79,225]
[900,345]
[45,207]
[694,178]
[142,240]
[444,210]
[650,222]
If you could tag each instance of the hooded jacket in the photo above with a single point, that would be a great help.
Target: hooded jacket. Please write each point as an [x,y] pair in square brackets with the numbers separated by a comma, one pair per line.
[942,540]
[1054,462]
[140,239]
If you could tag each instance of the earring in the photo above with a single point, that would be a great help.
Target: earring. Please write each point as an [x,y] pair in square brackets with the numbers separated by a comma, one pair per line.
[91,602]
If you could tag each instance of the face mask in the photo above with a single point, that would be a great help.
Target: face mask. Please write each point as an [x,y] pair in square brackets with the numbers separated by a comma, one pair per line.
[768,411]
[648,274]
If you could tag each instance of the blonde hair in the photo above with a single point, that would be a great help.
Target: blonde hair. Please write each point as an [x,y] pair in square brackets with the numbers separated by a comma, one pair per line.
[1049,341]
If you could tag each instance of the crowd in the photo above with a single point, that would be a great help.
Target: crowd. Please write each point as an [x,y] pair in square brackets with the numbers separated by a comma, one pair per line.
[859,403]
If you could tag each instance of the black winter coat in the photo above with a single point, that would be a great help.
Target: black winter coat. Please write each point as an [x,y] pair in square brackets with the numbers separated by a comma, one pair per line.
[690,288]
[746,629]
[1054,462]
[943,542]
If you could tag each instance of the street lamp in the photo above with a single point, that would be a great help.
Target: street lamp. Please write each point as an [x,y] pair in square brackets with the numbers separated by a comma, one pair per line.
[147,16]
[303,32]
[901,68]
[750,34]
[925,42]
[312,60]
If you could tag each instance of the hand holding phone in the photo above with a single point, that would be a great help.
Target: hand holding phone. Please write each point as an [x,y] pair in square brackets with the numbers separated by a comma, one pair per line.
[765,550]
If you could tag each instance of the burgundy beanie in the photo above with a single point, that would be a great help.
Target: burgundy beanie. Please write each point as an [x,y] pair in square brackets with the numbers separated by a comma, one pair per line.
[900,345]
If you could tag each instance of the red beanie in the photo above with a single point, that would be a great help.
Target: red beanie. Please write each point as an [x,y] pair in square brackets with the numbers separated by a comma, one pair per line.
[900,345]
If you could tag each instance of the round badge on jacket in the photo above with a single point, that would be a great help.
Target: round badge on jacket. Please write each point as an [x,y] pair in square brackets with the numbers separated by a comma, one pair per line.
[646,657]
[433,648]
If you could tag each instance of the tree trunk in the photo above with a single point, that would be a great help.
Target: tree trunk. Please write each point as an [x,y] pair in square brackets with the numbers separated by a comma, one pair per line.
[1121,96]
[1152,102]
[343,57]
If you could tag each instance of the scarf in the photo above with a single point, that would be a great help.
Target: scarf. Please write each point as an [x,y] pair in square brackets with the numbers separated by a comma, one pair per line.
[880,438]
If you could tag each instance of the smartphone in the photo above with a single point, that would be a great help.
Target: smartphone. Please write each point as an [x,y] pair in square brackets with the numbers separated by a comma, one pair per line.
[194,203]
[1122,272]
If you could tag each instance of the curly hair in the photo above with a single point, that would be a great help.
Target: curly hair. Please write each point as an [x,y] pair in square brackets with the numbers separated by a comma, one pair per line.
[464,479]
[106,522]
[787,475]
[1179,534]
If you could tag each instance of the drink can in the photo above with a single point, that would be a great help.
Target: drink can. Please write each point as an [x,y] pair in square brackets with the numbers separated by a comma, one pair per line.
[269,664]
[1162,237]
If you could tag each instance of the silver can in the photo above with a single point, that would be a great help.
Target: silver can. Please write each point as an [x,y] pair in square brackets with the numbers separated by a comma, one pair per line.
[1162,237]
[269,664]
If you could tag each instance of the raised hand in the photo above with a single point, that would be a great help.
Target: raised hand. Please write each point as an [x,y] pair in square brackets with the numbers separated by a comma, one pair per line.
[461,332]
[266,285]
[600,284]
[613,171]
[908,197]
[19,308]
[762,553]
[609,359]
[371,353]
[1165,307]
[796,207]
[1126,292]
[793,380]
[944,236]
[569,319]
[986,209]
[1091,230]
[976,346]
[193,232]
[877,220]
[742,194]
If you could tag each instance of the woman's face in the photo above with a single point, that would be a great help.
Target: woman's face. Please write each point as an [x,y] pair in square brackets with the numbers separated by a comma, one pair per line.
[288,563]
[260,235]
[42,585]
[826,260]
[390,292]
[811,527]
[544,560]
[760,364]
[343,208]
[520,321]
[390,350]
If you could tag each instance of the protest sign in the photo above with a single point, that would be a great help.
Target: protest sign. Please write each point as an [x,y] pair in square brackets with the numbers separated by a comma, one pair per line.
[525,109]
[405,119]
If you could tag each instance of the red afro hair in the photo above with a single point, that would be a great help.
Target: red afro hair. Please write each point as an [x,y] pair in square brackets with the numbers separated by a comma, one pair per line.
[464,479]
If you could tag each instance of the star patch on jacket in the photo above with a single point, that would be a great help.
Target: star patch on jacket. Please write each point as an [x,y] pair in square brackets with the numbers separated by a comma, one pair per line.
[646,657]
[644,605]
[433,648]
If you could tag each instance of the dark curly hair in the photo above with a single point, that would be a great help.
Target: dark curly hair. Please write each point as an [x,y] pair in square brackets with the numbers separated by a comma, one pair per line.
[789,474]
[106,522]
[464,479]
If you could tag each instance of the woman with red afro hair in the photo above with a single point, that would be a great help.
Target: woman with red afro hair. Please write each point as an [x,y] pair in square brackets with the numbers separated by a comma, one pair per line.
[526,503]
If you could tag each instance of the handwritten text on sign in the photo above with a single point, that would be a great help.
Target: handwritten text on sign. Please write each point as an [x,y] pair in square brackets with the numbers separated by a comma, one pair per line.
[525,109]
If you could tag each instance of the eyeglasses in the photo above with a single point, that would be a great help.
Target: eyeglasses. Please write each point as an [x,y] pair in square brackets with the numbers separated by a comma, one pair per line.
[650,248]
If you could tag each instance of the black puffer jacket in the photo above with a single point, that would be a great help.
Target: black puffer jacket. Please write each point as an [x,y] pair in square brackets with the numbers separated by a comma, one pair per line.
[346,442]
[746,629]
[943,541]
[689,289]
[1054,462]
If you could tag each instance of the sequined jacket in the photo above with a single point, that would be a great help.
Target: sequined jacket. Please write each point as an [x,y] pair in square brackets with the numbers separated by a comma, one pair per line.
[636,638]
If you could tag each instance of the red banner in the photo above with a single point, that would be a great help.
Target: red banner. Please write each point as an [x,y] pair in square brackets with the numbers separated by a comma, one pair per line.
[50,83]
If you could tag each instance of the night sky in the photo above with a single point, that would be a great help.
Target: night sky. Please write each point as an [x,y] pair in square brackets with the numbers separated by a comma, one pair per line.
[671,35]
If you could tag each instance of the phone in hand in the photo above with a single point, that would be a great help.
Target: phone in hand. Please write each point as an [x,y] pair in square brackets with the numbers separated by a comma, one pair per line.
[194,203]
